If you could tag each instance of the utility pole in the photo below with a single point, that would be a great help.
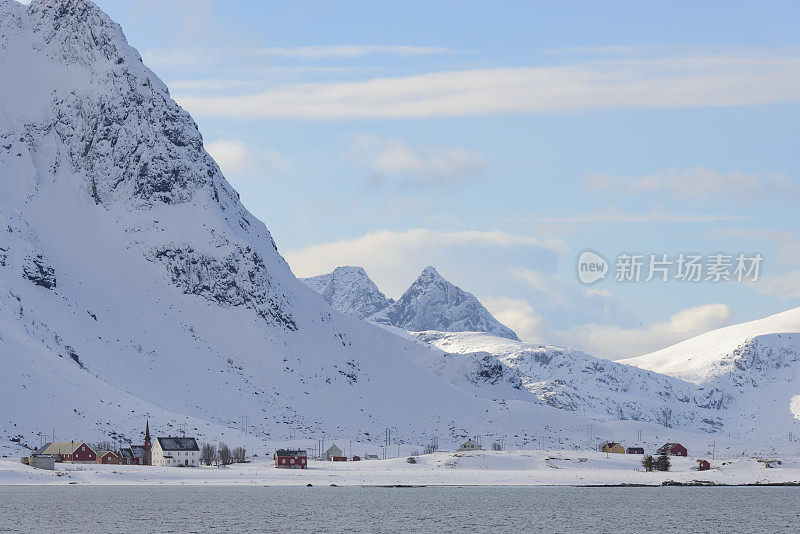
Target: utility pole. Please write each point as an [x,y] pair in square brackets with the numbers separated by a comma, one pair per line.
[714,450]
[638,436]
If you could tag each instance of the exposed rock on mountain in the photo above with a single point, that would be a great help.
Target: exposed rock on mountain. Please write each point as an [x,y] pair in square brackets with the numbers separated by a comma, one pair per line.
[431,303]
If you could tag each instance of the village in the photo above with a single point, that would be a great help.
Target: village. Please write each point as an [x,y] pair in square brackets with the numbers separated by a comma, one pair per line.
[610,464]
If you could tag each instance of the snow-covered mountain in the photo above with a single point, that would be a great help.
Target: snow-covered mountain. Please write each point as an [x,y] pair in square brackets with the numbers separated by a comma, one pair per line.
[573,381]
[350,290]
[431,303]
[756,364]
[134,283]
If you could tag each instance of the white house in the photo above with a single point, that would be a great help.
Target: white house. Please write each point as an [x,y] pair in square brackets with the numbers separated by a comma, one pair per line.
[175,452]
[469,445]
[332,451]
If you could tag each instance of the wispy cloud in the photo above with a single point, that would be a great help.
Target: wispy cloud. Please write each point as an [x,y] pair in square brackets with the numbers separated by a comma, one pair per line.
[699,183]
[785,285]
[238,160]
[393,161]
[614,215]
[660,82]
[211,56]
[609,341]
[617,342]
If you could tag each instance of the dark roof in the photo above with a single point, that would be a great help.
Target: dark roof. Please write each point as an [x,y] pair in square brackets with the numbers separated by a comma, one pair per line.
[670,446]
[178,444]
[138,451]
[125,453]
[290,452]
[610,444]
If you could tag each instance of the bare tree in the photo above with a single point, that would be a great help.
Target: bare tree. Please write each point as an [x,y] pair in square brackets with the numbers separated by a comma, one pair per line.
[103,446]
[208,454]
[497,446]
[224,454]
[239,455]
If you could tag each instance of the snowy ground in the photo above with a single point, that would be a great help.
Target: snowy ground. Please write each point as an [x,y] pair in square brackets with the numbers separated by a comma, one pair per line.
[507,468]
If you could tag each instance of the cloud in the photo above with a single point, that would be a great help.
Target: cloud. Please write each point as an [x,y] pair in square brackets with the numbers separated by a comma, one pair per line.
[699,183]
[394,259]
[616,342]
[785,285]
[656,82]
[394,160]
[236,159]
[206,57]
[352,50]
[519,315]
[607,341]
[612,214]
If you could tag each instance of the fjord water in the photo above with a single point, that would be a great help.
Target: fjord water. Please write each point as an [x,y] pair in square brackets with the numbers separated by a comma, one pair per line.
[439,510]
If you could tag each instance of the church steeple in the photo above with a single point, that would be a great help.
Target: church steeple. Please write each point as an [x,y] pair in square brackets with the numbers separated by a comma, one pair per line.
[147,435]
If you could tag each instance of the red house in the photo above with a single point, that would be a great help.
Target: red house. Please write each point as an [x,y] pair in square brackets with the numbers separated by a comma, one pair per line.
[107,457]
[291,459]
[703,465]
[69,451]
[673,449]
[126,457]
[338,458]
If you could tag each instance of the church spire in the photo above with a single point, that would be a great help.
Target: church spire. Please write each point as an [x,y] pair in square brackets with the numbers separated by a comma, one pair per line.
[147,434]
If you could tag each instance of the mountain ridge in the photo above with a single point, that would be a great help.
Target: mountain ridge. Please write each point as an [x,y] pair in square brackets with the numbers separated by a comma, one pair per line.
[430,303]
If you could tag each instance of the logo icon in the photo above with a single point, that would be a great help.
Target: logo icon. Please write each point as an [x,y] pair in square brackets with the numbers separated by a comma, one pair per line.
[591,267]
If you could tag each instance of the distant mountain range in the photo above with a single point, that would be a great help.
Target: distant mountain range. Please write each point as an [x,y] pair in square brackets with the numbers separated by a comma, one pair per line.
[431,303]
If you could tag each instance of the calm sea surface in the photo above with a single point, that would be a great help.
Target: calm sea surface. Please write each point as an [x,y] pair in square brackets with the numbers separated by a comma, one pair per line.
[428,510]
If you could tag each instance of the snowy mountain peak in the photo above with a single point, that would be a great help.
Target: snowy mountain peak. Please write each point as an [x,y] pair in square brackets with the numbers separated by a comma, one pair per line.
[431,303]
[349,289]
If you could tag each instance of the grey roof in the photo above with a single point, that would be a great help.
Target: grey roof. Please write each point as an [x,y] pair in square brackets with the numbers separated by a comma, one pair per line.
[290,452]
[125,453]
[60,447]
[178,444]
[138,451]
[334,450]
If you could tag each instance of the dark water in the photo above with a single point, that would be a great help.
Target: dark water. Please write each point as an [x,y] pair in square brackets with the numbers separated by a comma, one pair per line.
[429,510]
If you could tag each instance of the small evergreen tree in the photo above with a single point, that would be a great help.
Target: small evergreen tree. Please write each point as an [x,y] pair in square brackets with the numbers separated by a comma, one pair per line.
[648,463]
[663,463]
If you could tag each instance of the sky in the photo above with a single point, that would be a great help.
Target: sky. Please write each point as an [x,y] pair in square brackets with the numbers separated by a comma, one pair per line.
[498,141]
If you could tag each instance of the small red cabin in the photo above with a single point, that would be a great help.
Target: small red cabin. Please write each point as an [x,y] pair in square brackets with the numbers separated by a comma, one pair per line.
[356,458]
[338,458]
[673,449]
[107,457]
[703,465]
[291,459]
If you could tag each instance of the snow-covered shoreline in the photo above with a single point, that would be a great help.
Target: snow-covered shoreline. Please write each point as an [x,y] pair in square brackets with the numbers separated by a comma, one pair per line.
[482,468]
